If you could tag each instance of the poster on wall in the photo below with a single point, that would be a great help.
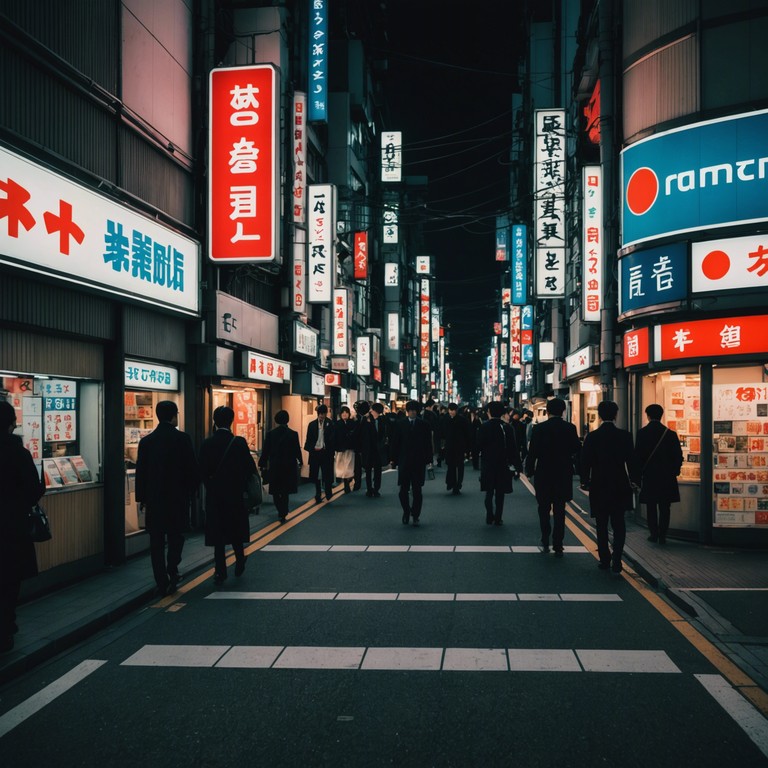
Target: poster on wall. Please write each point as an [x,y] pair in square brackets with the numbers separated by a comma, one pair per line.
[740,438]
[682,411]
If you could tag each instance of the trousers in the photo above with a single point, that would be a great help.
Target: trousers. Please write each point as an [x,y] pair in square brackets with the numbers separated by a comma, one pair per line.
[165,567]
[557,529]
[414,508]
[658,521]
[619,527]
[490,514]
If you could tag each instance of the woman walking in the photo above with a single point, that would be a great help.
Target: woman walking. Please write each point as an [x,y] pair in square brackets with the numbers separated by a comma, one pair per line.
[345,448]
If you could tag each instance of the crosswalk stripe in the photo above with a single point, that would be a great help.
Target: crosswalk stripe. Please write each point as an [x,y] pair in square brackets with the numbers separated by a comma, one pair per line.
[417,548]
[580,597]
[397,659]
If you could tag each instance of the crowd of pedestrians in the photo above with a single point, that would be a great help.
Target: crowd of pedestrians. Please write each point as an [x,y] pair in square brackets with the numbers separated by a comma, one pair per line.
[499,441]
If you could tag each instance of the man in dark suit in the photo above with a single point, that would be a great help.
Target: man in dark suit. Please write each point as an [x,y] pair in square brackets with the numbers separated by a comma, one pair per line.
[554,446]
[373,449]
[656,465]
[319,444]
[457,435]
[498,452]
[411,452]
[166,480]
[605,456]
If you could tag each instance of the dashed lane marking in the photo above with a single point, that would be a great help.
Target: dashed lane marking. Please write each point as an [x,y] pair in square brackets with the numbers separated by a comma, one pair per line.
[444,549]
[576,597]
[398,659]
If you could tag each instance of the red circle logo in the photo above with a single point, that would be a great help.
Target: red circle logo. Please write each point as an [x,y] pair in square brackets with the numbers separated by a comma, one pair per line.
[715,265]
[642,191]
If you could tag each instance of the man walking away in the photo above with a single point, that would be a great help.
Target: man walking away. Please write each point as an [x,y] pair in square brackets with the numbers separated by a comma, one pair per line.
[458,439]
[166,480]
[552,451]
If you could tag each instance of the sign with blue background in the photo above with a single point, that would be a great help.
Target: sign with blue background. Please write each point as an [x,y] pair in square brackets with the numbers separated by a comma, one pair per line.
[519,265]
[654,276]
[711,174]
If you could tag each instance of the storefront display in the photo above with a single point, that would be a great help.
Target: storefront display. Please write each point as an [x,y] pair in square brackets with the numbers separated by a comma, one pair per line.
[682,409]
[740,438]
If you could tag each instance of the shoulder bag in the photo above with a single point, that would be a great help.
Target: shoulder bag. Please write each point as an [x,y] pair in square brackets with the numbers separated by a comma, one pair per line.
[39,529]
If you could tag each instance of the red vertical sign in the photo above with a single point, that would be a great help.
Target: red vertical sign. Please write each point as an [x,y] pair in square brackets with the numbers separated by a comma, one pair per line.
[361,255]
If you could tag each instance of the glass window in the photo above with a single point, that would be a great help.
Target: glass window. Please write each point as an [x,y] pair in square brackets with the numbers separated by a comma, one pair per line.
[248,405]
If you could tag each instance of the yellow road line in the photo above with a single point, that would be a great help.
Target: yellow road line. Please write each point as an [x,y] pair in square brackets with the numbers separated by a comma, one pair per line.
[735,676]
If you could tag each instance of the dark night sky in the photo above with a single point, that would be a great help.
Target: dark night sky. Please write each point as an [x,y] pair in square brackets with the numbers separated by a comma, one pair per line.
[451,73]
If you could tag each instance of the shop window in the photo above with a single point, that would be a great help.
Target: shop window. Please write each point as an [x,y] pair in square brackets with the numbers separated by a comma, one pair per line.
[59,421]
[740,442]
[248,405]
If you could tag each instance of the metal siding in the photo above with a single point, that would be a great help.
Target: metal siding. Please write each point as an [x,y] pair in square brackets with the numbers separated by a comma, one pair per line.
[661,87]
[154,336]
[647,20]
[32,353]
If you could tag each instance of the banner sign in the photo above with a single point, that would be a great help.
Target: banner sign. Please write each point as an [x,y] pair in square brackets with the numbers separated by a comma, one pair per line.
[299,276]
[422,265]
[393,330]
[140,375]
[243,165]
[391,275]
[390,228]
[592,243]
[654,276]
[318,61]
[425,322]
[361,256]
[637,350]
[363,356]
[515,352]
[391,156]
[502,238]
[701,176]
[340,345]
[526,333]
[519,264]
[321,260]
[549,202]
[299,157]
[728,265]
[263,368]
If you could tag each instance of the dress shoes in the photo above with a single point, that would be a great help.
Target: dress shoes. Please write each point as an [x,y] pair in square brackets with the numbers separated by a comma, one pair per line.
[318,499]
[498,522]
[376,494]
[489,519]
[415,520]
[369,494]
[456,491]
[406,516]
[544,549]
[219,578]
[281,518]
[616,569]
[240,566]
[558,553]
[603,566]
[329,496]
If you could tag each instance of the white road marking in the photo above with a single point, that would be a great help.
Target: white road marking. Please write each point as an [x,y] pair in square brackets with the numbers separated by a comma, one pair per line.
[416,548]
[348,548]
[34,704]
[441,597]
[625,661]
[743,713]
[484,550]
[395,659]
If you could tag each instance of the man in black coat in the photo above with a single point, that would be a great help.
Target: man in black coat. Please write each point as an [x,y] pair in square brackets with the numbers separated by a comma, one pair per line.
[225,466]
[166,481]
[656,466]
[320,445]
[552,451]
[457,435]
[498,452]
[605,457]
[373,449]
[411,452]
[279,462]
[20,488]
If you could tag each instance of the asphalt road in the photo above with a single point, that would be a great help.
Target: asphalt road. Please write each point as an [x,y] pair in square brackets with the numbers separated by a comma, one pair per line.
[353,640]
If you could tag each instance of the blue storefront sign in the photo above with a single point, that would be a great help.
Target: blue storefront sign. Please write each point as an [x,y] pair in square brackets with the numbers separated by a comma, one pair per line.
[519,265]
[711,174]
[317,93]
[526,333]
[654,276]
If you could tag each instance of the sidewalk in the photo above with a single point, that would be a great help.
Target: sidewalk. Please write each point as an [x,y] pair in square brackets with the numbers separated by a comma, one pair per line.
[723,591]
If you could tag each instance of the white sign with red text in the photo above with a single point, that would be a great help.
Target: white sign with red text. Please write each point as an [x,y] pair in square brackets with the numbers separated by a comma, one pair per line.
[263,368]
[299,157]
[321,257]
[592,243]
[728,265]
[340,343]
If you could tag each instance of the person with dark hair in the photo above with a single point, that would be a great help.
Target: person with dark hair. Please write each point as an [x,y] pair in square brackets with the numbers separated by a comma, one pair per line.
[475,424]
[280,458]
[373,449]
[20,489]
[167,479]
[656,465]
[605,458]
[553,449]
[498,453]
[433,421]
[458,439]
[344,463]
[320,446]
[225,466]
[361,415]
[411,453]
[521,432]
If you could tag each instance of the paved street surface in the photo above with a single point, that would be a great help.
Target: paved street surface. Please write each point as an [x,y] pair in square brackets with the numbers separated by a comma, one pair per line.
[353,640]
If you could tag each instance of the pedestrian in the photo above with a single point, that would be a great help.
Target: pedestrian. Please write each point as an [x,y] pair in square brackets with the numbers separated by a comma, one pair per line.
[656,465]
[457,435]
[344,464]
[373,449]
[225,466]
[605,457]
[411,453]
[432,419]
[552,455]
[521,430]
[279,461]
[361,414]
[498,453]
[319,444]
[475,423]
[20,489]
[167,479]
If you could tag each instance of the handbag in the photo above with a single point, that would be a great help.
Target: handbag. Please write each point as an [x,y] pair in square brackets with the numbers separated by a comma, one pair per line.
[253,494]
[39,529]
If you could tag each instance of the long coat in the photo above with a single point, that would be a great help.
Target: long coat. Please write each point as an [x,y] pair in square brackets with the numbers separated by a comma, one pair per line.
[411,450]
[605,456]
[498,450]
[225,470]
[282,454]
[458,438]
[167,478]
[552,450]
[655,469]
[373,442]
[20,488]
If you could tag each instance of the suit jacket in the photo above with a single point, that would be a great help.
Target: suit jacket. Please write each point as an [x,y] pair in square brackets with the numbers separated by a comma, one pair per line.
[282,454]
[20,488]
[372,442]
[411,450]
[655,469]
[458,438]
[226,517]
[605,456]
[167,478]
[550,461]
[498,450]
[329,434]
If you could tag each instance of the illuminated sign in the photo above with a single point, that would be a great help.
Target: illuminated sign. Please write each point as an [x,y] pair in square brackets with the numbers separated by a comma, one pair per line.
[340,343]
[299,157]
[262,368]
[321,259]
[727,265]
[243,165]
[139,375]
[519,264]
[592,243]
[654,276]
[361,255]
[318,60]
[391,156]
[502,238]
[637,347]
